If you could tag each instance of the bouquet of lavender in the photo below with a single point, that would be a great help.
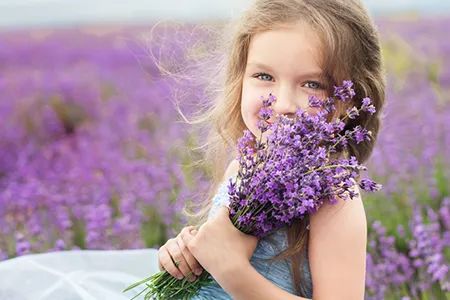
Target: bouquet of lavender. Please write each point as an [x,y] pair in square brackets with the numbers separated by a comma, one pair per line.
[285,177]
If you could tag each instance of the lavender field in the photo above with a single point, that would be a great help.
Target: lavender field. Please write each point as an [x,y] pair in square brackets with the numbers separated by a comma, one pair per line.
[93,154]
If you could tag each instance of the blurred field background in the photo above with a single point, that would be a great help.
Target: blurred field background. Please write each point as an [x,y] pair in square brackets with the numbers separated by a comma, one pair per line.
[93,154]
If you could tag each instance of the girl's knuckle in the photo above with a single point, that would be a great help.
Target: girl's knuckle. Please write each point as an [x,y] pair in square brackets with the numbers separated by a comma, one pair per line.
[181,245]
[176,253]
[187,254]
[184,230]
[173,249]
[192,246]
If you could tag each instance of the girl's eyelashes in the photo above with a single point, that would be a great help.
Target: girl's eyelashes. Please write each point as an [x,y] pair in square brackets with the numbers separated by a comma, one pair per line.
[257,75]
[315,85]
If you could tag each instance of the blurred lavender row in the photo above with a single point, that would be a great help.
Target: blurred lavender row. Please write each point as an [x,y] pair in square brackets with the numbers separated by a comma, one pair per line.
[409,238]
[92,155]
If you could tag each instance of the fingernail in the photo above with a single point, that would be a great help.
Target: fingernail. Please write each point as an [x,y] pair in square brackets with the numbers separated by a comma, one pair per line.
[192,278]
[198,272]
[179,277]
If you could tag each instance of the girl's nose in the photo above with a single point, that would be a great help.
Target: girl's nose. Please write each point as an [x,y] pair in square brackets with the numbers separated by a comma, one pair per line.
[286,103]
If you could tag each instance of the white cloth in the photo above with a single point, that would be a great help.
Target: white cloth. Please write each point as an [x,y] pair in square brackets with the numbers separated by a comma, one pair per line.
[76,275]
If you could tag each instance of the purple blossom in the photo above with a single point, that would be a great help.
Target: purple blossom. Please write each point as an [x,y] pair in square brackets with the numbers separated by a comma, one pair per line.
[361,134]
[72,147]
[294,165]
[386,266]
[265,113]
[352,113]
[314,101]
[367,106]
[269,100]
[414,272]
[344,92]
[369,185]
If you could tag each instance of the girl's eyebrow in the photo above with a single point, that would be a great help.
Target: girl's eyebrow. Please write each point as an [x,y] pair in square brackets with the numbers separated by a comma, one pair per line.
[315,74]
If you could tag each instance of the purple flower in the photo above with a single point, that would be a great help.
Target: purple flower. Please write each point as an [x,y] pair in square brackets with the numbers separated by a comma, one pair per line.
[265,113]
[22,245]
[352,113]
[269,101]
[361,134]
[344,92]
[367,107]
[369,185]
[314,101]
[291,174]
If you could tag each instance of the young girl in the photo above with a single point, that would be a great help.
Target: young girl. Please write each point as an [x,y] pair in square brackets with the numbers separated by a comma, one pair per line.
[294,49]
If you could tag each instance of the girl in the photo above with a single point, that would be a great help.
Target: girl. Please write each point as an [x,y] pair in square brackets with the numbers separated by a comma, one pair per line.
[294,49]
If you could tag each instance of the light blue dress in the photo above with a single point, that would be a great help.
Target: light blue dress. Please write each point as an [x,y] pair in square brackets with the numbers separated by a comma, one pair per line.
[277,271]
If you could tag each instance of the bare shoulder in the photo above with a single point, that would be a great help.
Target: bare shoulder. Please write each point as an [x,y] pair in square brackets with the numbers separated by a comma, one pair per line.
[232,169]
[337,249]
[347,209]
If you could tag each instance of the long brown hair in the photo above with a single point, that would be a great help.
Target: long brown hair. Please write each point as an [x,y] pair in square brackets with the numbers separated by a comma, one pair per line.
[350,51]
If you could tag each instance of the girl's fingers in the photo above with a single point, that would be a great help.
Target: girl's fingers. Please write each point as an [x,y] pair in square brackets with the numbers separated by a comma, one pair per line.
[167,263]
[186,236]
[192,262]
[177,255]
[160,266]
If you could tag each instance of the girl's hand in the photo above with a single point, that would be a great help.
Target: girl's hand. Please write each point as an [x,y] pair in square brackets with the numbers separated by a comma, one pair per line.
[219,246]
[176,249]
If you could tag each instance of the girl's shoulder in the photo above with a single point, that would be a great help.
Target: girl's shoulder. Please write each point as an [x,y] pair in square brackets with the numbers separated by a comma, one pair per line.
[231,170]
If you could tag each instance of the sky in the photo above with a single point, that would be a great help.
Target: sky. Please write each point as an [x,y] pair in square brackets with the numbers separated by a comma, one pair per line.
[42,13]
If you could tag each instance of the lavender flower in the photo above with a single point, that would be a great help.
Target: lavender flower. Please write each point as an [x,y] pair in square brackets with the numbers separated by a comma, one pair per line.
[386,266]
[292,174]
[369,185]
[367,106]
[413,271]
[352,112]
[344,92]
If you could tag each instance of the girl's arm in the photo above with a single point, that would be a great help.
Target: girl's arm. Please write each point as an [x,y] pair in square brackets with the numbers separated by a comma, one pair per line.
[246,283]
[337,258]
[337,249]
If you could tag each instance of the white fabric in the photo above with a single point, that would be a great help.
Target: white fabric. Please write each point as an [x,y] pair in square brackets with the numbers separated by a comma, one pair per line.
[76,275]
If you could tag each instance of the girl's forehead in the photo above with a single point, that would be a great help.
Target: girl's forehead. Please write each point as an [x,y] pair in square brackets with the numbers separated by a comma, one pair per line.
[285,46]
[292,34]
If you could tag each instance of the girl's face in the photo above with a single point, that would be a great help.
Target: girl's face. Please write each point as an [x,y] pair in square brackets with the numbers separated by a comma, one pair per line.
[285,62]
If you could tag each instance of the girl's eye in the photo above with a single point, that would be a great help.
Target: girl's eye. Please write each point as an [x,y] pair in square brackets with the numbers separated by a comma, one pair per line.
[267,76]
[314,85]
